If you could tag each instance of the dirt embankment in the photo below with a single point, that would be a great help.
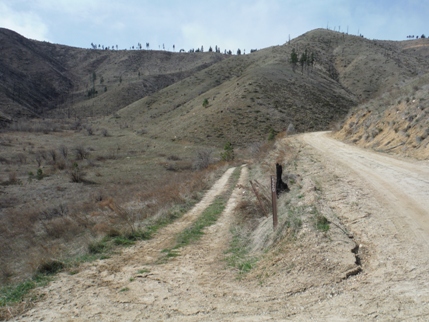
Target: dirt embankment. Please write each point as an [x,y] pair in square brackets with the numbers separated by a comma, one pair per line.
[381,202]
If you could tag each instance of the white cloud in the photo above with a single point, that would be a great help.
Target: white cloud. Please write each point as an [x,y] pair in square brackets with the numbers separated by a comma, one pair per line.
[28,24]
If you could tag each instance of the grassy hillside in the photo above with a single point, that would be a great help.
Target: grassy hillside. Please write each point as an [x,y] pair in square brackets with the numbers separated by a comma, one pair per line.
[247,97]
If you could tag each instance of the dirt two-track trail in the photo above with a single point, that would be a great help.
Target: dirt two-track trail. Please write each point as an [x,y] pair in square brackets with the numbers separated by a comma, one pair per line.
[383,202]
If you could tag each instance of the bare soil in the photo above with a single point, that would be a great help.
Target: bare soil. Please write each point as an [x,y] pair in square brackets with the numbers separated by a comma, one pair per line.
[380,200]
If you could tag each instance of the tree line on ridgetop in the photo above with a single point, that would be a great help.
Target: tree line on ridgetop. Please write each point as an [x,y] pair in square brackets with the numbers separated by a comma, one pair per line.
[192,50]
[417,37]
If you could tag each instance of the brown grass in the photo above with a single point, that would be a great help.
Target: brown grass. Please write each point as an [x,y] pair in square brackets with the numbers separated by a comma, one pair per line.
[33,235]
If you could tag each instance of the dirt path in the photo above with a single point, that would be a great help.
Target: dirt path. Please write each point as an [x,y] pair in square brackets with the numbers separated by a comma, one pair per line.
[381,201]
[402,187]
[384,202]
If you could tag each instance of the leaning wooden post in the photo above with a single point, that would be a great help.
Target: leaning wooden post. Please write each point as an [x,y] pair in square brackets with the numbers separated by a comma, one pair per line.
[274,201]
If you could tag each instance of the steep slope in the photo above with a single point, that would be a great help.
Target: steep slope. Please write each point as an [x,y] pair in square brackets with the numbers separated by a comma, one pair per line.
[396,122]
[31,80]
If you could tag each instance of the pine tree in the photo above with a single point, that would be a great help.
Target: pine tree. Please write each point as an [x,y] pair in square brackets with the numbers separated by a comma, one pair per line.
[293,59]
[303,60]
[228,152]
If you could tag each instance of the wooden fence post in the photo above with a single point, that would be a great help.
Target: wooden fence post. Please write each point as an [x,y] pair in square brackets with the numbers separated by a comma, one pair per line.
[274,201]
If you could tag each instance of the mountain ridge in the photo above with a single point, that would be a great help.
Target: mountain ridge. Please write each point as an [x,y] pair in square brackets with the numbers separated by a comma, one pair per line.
[248,96]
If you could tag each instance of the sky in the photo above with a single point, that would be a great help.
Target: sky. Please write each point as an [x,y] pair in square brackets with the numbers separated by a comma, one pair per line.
[228,24]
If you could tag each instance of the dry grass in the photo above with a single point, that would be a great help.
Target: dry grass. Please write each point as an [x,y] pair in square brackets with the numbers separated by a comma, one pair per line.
[31,236]
[58,216]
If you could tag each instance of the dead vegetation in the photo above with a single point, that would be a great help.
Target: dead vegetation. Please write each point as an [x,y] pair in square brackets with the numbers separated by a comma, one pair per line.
[57,196]
[34,236]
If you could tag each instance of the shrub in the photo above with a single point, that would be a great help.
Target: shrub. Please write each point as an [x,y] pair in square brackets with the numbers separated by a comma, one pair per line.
[173,158]
[98,247]
[76,174]
[63,151]
[81,153]
[38,158]
[203,159]
[104,133]
[53,155]
[322,223]
[205,103]
[39,175]
[272,134]
[228,152]
[50,267]
[22,158]
[61,164]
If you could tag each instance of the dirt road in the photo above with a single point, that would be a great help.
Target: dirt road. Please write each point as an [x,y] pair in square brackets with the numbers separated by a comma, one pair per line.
[380,200]
[402,187]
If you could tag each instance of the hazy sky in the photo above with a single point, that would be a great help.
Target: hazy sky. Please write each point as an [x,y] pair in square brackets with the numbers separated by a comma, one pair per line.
[229,24]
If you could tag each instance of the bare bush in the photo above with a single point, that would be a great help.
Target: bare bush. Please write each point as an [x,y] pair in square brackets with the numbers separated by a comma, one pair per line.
[202,159]
[80,152]
[77,125]
[38,158]
[173,158]
[61,164]
[63,151]
[104,133]
[255,148]
[89,130]
[60,227]
[53,154]
[260,149]
[22,158]
[76,173]
[13,177]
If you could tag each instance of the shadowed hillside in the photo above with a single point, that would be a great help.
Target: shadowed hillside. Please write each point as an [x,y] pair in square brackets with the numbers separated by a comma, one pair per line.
[40,79]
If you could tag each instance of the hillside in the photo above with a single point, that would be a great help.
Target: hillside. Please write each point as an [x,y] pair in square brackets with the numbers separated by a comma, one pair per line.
[395,121]
[248,96]
[43,79]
